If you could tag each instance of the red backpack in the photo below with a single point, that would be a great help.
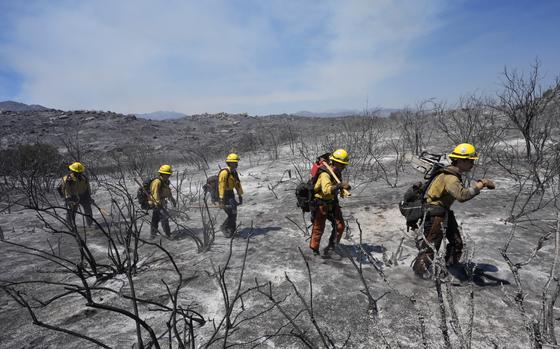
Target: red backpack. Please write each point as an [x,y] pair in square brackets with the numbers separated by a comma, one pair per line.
[321,160]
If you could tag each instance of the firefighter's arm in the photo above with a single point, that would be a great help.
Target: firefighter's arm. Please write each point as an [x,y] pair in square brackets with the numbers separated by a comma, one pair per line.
[222,182]
[169,195]
[239,188]
[88,191]
[327,188]
[155,192]
[88,188]
[454,187]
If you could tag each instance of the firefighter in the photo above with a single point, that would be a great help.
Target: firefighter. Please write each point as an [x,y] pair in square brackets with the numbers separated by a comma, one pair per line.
[159,194]
[77,191]
[446,188]
[228,181]
[325,203]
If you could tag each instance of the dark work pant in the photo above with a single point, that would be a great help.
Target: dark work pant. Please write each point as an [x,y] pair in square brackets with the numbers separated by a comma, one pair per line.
[320,215]
[433,231]
[72,208]
[230,208]
[160,215]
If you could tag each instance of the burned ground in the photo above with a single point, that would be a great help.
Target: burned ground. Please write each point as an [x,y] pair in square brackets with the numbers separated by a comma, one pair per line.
[341,309]
[263,287]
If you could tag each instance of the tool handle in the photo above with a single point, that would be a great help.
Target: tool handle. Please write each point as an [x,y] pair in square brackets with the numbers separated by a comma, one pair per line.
[345,193]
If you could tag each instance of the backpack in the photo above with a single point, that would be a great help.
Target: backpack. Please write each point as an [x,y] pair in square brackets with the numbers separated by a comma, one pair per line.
[143,193]
[211,187]
[413,205]
[305,190]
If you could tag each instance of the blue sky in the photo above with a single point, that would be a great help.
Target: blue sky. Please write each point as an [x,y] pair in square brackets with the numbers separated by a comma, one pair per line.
[267,56]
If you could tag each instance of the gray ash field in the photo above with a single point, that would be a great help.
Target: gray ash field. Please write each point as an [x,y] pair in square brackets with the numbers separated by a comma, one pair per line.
[263,288]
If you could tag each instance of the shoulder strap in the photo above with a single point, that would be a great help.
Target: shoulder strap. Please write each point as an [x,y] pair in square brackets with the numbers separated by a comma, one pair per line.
[316,177]
[429,182]
[233,174]
[222,170]
[439,172]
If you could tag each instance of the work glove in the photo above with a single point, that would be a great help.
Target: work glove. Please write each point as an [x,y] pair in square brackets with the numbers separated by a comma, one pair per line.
[72,201]
[173,201]
[240,200]
[488,183]
[222,204]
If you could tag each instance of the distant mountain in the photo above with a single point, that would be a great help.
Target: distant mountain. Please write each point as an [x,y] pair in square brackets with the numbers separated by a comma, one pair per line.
[384,112]
[16,106]
[326,114]
[161,115]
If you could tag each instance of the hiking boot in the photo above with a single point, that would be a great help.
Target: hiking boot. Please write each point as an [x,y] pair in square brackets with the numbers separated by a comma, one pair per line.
[316,252]
[428,274]
[451,279]
[424,276]
[153,234]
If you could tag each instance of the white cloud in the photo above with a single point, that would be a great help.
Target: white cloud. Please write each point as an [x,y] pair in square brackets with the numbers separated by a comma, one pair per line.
[197,56]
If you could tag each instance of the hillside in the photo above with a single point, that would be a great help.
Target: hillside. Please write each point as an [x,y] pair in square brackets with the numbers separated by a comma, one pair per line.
[20,107]
[107,134]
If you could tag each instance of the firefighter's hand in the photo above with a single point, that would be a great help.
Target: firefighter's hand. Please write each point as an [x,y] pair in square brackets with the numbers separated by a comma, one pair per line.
[488,183]
[485,183]
[345,186]
[240,200]
[174,202]
[72,202]
[221,204]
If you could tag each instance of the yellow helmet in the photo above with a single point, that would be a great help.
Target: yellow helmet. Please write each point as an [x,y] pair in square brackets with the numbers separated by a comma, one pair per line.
[232,158]
[165,169]
[340,155]
[77,167]
[464,151]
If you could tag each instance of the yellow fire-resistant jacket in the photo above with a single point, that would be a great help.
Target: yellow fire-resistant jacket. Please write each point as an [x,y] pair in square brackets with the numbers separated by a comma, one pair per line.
[447,187]
[159,192]
[75,186]
[323,188]
[228,181]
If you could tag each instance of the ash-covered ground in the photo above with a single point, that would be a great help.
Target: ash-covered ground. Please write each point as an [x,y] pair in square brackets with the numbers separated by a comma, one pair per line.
[275,231]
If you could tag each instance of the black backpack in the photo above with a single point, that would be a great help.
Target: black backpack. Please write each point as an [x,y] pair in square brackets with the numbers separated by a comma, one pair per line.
[306,190]
[143,193]
[304,195]
[211,186]
[413,205]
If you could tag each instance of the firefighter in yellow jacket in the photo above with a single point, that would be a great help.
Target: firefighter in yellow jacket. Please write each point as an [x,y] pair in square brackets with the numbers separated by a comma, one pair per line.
[76,191]
[159,194]
[228,181]
[445,189]
[325,203]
